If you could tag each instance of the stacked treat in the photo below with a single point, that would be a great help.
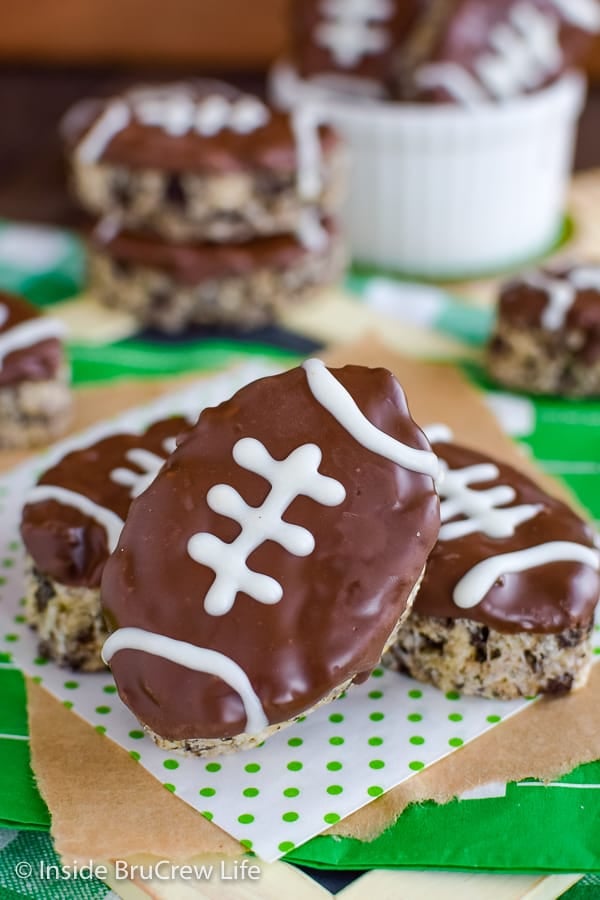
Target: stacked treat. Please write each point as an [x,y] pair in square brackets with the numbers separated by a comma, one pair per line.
[275,556]
[211,207]
[449,51]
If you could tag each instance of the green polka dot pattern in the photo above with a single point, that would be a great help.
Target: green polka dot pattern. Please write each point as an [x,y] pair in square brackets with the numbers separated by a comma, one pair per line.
[305,778]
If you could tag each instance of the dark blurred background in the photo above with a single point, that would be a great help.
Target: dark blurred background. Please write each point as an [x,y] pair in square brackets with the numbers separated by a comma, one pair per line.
[53,52]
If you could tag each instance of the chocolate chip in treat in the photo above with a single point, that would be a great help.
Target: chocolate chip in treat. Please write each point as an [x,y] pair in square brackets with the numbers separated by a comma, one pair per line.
[570,638]
[428,645]
[532,661]
[174,192]
[44,592]
[122,190]
[121,268]
[561,685]
[479,639]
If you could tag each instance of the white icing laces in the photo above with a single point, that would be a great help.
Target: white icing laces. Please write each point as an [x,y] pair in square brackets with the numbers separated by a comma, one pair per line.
[175,110]
[486,512]
[334,397]
[524,51]
[473,587]
[199,659]
[295,476]
[483,511]
[353,29]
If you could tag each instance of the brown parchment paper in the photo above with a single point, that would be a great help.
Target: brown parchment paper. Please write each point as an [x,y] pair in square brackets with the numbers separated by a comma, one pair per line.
[104,805]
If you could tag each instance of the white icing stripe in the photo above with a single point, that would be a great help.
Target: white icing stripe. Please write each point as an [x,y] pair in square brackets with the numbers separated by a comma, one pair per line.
[354,28]
[438,433]
[473,587]
[311,233]
[453,78]
[199,659]
[305,125]
[333,397]
[114,119]
[295,476]
[29,333]
[562,292]
[586,278]
[111,522]
[584,14]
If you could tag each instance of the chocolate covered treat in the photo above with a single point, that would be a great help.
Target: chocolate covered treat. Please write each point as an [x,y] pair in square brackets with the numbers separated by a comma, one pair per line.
[351,45]
[507,604]
[71,521]
[547,334]
[199,160]
[172,286]
[270,562]
[35,397]
[474,51]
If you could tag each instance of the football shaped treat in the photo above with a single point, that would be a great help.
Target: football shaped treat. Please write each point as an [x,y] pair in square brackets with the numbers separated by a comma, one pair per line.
[507,605]
[269,564]
[351,44]
[71,521]
[472,51]
[547,334]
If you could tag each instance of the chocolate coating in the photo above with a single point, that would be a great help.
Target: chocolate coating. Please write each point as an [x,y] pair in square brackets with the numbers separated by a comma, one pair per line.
[340,603]
[270,147]
[39,362]
[522,305]
[460,31]
[66,544]
[192,263]
[313,58]
[545,599]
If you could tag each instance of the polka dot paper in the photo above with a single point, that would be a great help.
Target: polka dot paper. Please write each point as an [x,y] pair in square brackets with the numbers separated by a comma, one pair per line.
[307,776]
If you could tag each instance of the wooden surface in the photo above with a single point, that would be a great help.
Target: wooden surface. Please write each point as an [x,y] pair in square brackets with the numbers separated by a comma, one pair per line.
[33,99]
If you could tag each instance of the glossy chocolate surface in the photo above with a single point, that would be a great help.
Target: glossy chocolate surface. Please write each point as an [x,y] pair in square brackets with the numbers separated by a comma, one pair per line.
[545,599]
[192,263]
[272,147]
[41,360]
[66,544]
[312,57]
[339,604]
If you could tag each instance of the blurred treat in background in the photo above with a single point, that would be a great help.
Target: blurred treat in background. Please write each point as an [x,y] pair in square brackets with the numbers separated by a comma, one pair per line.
[453,173]
[214,208]
[70,50]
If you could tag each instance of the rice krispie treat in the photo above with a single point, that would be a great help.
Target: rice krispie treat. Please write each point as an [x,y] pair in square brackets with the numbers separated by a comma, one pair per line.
[171,286]
[199,160]
[507,604]
[270,562]
[473,51]
[351,45]
[35,395]
[71,521]
[547,334]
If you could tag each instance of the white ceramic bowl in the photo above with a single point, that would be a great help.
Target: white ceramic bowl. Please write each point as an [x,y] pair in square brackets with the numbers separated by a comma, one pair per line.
[446,191]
